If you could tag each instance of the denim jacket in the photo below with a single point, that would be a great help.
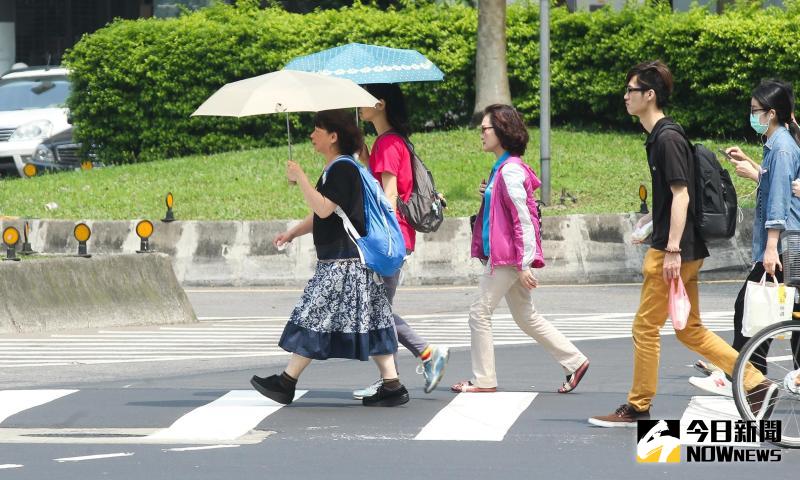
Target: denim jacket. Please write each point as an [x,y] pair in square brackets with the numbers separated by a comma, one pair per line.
[776,207]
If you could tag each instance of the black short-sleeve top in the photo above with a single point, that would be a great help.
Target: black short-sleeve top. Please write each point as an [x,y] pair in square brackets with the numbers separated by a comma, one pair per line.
[672,163]
[342,186]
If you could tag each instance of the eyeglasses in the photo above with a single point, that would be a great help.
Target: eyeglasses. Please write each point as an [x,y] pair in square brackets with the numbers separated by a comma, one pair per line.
[483,129]
[628,90]
[756,110]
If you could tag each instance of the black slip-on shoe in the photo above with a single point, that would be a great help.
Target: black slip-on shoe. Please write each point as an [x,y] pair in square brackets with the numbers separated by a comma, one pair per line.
[271,388]
[387,398]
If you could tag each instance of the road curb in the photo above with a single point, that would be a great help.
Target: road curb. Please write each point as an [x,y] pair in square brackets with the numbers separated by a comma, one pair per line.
[60,293]
[578,249]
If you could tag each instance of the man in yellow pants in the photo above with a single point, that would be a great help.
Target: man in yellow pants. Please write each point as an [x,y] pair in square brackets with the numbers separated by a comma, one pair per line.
[677,252]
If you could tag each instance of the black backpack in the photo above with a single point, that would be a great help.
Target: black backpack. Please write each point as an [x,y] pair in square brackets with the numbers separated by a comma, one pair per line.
[424,210]
[715,197]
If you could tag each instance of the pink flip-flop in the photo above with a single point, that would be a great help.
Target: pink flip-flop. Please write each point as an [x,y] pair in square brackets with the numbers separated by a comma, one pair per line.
[467,387]
[574,378]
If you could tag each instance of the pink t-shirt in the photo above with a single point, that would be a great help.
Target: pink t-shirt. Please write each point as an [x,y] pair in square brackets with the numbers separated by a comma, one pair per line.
[390,154]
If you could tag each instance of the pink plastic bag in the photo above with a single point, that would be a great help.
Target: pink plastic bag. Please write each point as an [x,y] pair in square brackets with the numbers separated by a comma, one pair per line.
[679,306]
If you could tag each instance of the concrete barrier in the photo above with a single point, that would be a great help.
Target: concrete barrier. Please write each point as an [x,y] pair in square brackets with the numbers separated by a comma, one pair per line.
[578,249]
[62,292]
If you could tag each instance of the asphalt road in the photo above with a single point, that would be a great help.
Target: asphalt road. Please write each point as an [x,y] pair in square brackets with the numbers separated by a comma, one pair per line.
[127,409]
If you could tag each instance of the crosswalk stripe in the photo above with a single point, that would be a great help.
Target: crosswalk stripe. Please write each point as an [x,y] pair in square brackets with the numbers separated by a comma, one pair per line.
[10,465]
[240,337]
[477,417]
[226,418]
[93,457]
[205,447]
[708,408]
[15,401]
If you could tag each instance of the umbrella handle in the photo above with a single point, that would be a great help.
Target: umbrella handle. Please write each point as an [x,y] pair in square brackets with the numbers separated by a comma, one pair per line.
[289,135]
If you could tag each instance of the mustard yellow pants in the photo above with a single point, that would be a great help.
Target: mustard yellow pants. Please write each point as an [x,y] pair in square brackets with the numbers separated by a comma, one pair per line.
[653,313]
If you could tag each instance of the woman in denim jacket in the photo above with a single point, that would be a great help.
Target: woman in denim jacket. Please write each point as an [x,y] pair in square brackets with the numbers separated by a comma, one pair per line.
[776,210]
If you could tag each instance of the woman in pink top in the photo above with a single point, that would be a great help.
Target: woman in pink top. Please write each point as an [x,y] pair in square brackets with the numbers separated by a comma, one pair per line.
[507,239]
[390,163]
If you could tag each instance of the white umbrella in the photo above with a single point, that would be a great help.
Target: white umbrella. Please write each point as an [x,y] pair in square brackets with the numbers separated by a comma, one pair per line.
[285,91]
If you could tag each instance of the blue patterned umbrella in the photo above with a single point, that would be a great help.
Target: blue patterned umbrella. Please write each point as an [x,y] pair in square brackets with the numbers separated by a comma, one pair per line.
[369,64]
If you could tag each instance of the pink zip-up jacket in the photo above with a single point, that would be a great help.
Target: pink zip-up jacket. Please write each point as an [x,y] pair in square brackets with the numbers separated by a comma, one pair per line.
[514,230]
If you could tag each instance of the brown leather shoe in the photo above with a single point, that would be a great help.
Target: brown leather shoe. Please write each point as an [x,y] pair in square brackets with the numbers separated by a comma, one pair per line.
[624,416]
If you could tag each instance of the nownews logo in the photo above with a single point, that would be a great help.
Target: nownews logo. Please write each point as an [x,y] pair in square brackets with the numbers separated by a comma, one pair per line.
[659,441]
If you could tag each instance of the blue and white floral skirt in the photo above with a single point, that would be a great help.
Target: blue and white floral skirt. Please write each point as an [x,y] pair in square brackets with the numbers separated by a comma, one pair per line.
[343,313]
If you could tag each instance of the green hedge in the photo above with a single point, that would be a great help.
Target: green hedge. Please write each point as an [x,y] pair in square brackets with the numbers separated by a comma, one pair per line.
[136,82]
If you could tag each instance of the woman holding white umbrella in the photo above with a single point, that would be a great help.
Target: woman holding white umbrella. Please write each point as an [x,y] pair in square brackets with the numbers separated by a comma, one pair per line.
[343,312]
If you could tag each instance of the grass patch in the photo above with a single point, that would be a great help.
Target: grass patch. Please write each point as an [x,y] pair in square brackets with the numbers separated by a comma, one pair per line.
[602,170]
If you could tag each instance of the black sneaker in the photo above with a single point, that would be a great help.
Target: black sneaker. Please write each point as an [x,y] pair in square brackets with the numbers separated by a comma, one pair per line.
[386,398]
[272,388]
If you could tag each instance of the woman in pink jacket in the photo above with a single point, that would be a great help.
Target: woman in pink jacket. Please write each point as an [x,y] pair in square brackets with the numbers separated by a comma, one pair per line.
[506,239]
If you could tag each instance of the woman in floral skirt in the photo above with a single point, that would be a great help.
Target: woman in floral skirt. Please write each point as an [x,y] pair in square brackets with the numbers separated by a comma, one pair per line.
[344,312]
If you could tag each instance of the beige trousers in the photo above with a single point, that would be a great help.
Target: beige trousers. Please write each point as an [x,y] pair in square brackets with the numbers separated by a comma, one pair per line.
[493,287]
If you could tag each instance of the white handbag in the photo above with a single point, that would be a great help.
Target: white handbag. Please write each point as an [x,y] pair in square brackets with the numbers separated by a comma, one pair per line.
[766,303]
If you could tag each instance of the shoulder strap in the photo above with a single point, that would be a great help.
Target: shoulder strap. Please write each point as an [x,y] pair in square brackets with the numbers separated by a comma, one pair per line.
[338,159]
[675,128]
[349,228]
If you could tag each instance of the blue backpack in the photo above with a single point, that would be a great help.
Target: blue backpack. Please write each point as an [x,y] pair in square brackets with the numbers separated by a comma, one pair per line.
[383,248]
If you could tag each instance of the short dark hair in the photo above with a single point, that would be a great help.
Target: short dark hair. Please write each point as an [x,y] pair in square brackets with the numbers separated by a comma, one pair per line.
[509,126]
[396,112]
[343,123]
[654,75]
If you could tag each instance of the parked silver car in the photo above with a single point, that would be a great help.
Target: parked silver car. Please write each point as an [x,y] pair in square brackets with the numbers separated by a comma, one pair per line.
[32,108]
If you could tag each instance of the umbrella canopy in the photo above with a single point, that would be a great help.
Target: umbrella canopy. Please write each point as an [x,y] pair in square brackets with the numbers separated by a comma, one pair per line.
[369,64]
[285,91]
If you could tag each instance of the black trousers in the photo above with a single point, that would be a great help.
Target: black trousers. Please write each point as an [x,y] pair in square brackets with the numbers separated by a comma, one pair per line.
[759,356]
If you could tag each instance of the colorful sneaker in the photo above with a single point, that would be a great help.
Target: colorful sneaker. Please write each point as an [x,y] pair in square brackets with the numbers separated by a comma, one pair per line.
[387,398]
[272,388]
[433,367]
[624,416]
[574,378]
[368,391]
[715,383]
[762,399]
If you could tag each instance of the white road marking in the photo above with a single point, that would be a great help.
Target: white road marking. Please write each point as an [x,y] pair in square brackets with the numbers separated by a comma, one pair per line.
[191,449]
[477,417]
[93,457]
[15,401]
[707,409]
[255,337]
[226,418]
[10,465]
[109,436]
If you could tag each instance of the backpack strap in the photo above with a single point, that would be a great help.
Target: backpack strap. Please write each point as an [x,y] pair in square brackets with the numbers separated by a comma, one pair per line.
[408,144]
[675,128]
[349,228]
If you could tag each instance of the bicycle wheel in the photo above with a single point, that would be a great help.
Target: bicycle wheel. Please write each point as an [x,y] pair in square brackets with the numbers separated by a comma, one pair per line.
[782,370]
